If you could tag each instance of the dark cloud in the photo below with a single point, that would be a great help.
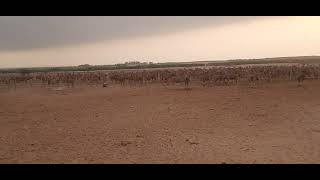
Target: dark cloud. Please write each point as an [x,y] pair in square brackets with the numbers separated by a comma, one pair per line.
[23,33]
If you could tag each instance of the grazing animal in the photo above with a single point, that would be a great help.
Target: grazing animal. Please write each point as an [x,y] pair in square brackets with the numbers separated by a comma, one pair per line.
[253,79]
[187,81]
[104,85]
[300,79]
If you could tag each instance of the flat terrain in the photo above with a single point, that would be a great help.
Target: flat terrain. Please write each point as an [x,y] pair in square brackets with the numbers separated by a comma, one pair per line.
[278,123]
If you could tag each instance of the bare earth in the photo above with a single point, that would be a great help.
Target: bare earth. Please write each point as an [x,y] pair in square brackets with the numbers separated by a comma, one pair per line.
[278,123]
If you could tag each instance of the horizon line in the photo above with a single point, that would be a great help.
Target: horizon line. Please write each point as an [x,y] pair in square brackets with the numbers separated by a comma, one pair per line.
[237,59]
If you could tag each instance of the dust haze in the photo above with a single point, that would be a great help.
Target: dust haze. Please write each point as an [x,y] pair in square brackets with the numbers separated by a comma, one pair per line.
[111,40]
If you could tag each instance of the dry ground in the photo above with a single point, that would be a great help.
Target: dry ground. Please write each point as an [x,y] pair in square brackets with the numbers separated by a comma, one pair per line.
[278,123]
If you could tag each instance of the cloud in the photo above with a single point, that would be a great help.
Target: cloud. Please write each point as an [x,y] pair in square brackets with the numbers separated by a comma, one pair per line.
[32,32]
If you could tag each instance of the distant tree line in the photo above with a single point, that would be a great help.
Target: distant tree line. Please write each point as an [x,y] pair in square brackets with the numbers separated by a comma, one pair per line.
[142,65]
[87,67]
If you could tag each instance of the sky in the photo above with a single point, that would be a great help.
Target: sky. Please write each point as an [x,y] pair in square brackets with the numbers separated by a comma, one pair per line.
[39,41]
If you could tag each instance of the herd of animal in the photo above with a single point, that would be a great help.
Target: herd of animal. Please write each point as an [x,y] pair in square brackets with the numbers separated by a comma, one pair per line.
[209,76]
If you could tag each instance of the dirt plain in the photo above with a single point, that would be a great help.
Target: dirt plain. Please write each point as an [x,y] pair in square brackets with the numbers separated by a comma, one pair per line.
[274,123]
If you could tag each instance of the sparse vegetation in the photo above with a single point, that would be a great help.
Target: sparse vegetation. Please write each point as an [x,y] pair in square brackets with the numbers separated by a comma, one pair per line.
[139,65]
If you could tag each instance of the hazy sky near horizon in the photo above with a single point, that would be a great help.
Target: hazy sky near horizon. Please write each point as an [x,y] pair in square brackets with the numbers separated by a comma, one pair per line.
[64,41]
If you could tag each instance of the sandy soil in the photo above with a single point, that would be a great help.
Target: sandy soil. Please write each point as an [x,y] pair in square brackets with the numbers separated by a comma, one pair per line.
[277,123]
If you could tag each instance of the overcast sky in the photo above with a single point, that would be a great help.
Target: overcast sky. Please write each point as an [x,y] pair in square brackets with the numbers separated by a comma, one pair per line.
[62,41]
